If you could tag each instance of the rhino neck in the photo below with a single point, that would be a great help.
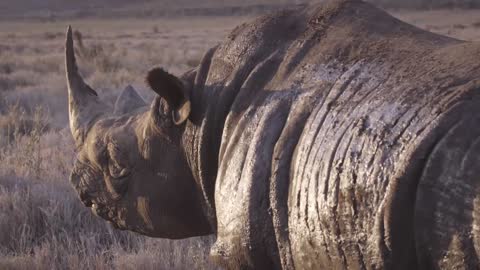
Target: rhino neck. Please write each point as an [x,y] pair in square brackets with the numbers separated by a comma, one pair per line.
[202,135]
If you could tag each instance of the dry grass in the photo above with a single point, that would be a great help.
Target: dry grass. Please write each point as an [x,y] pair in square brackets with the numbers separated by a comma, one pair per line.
[42,224]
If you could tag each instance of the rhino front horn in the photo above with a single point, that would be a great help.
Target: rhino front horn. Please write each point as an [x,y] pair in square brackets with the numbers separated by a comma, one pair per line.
[84,105]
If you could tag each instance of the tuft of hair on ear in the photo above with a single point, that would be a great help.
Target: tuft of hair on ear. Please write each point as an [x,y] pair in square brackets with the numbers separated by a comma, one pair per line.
[166,85]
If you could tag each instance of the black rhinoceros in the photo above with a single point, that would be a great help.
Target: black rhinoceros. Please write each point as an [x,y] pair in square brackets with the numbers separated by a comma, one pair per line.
[328,137]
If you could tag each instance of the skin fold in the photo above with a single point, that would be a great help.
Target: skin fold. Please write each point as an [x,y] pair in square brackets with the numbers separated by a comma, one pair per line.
[328,137]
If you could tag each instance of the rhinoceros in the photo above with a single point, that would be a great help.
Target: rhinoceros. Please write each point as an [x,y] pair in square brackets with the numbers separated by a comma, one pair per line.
[328,137]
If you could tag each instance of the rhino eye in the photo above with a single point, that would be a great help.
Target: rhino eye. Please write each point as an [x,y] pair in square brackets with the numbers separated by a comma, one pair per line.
[117,180]
[116,169]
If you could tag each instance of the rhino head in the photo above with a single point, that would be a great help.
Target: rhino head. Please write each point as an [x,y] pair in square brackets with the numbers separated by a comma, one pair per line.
[131,168]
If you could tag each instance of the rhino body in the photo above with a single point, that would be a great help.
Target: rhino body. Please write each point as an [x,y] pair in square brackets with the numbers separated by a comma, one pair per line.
[331,137]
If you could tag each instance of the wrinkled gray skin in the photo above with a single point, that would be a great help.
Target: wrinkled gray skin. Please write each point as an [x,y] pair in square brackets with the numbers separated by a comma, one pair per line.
[331,137]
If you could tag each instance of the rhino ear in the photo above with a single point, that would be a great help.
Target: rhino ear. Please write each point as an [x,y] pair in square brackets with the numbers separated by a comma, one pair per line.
[173,90]
[127,101]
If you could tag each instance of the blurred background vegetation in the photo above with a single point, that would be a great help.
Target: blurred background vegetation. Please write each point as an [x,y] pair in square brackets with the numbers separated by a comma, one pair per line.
[55,9]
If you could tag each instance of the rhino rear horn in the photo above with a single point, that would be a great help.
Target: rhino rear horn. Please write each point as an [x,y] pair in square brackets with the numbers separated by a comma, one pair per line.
[173,90]
[83,103]
[127,101]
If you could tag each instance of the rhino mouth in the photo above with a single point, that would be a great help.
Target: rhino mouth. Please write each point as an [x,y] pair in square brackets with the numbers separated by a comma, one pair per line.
[108,214]
[102,207]
[87,203]
[102,211]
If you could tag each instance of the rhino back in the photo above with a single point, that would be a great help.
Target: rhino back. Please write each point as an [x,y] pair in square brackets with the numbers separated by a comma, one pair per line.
[328,118]
[362,154]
